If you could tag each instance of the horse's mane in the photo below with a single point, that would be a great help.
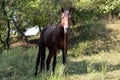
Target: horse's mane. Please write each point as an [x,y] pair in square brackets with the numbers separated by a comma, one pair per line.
[58,25]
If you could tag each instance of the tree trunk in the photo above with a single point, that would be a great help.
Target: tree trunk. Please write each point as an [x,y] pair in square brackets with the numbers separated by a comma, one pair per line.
[8,26]
[8,34]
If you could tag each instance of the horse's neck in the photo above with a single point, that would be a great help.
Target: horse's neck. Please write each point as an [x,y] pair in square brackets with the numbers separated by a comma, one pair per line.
[60,29]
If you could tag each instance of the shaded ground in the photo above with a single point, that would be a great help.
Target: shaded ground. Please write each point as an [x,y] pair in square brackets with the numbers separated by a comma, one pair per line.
[86,67]
[33,42]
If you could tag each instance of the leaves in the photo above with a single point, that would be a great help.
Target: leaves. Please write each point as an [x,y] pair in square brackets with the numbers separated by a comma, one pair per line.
[28,13]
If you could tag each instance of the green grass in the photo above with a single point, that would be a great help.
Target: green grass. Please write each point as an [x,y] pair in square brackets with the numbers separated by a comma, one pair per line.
[18,64]
[94,54]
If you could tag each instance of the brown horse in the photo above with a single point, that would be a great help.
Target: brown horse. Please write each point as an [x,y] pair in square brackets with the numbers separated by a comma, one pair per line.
[54,38]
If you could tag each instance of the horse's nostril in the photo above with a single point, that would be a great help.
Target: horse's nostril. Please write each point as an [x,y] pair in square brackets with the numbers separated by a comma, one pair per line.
[66,29]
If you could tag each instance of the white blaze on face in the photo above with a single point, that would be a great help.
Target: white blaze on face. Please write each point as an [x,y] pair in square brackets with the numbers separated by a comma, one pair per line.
[66,24]
[65,28]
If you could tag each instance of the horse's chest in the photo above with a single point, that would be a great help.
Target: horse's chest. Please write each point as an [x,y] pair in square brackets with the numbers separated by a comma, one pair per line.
[60,43]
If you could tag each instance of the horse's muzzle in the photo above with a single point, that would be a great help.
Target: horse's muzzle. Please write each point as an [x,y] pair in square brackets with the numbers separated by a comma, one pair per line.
[66,30]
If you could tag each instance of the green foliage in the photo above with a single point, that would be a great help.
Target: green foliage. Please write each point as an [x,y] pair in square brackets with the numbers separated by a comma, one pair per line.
[92,10]
[1,47]
[44,15]
[109,6]
[86,39]
[28,13]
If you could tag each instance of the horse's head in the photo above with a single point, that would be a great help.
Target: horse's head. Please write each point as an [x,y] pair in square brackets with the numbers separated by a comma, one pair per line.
[66,19]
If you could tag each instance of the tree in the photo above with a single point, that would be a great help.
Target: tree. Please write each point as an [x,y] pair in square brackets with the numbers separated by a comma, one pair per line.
[5,14]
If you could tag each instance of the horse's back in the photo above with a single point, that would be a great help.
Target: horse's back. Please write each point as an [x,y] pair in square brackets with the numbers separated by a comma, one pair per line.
[47,35]
[49,29]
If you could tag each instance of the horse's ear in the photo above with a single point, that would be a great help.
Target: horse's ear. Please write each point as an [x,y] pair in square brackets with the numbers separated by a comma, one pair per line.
[71,10]
[62,10]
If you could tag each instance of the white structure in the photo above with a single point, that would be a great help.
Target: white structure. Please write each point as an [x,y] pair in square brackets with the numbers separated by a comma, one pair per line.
[32,31]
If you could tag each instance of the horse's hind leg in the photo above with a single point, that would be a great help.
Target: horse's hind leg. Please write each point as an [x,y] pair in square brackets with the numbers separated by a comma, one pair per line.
[37,61]
[39,56]
[54,62]
[54,59]
[64,54]
[43,50]
[49,58]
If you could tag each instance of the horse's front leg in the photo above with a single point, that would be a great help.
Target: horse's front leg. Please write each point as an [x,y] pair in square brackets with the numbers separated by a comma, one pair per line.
[49,58]
[37,62]
[41,54]
[54,60]
[64,55]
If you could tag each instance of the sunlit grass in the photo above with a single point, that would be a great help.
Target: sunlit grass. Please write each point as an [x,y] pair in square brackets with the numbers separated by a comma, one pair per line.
[19,64]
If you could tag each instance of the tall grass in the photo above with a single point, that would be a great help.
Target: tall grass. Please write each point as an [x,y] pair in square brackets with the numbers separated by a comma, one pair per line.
[19,64]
